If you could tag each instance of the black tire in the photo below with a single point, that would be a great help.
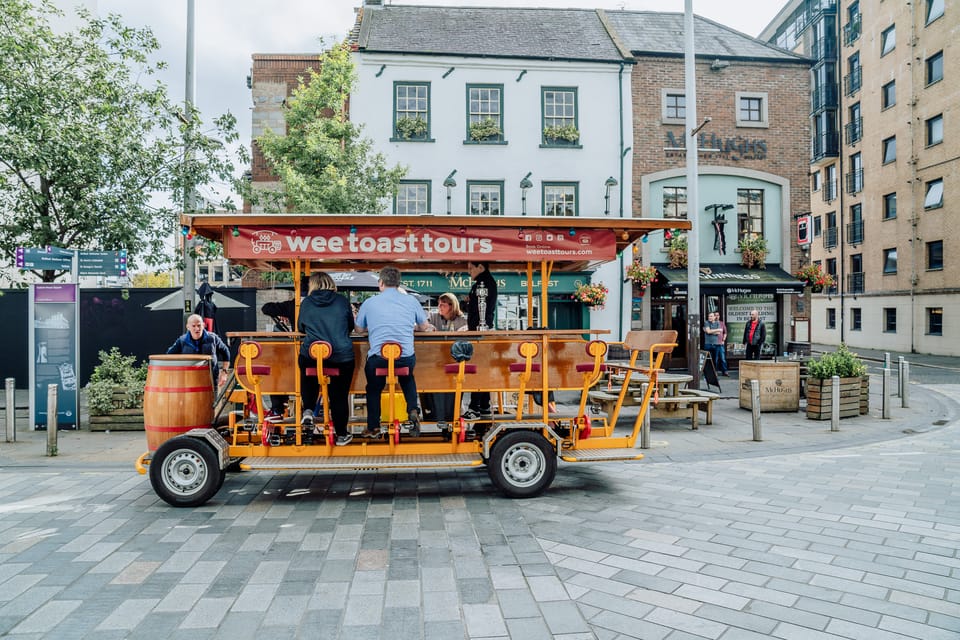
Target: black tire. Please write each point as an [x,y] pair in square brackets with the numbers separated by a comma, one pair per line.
[185,472]
[522,464]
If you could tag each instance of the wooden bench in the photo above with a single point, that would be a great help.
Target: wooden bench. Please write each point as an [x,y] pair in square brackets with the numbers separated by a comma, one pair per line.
[607,401]
[682,406]
[706,407]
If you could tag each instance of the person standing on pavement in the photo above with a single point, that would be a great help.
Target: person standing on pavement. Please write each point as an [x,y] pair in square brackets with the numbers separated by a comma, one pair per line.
[482,279]
[390,316]
[326,315]
[754,335]
[197,340]
[711,338]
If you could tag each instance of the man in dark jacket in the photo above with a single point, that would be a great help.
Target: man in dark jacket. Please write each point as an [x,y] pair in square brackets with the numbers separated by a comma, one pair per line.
[198,340]
[482,279]
[754,335]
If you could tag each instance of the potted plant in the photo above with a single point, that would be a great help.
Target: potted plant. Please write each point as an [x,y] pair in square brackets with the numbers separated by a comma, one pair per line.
[484,129]
[854,384]
[677,250]
[753,252]
[815,278]
[567,133]
[641,275]
[408,127]
[593,295]
[115,392]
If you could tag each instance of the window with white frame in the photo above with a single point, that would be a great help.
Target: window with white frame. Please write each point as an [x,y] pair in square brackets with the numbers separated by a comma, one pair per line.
[673,106]
[934,196]
[484,113]
[749,214]
[413,198]
[751,109]
[559,106]
[888,40]
[485,198]
[411,110]
[560,198]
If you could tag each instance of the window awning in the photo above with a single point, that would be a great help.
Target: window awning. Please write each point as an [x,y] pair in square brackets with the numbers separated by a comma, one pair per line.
[730,279]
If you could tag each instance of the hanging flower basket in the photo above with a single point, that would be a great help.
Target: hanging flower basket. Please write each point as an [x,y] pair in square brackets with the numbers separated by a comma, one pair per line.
[642,275]
[592,295]
[815,277]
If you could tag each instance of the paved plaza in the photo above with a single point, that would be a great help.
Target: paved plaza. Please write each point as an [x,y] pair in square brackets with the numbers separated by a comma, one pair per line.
[809,534]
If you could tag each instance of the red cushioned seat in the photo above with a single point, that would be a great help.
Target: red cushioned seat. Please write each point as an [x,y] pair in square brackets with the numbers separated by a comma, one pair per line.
[516,367]
[258,370]
[327,371]
[588,366]
[455,368]
[399,371]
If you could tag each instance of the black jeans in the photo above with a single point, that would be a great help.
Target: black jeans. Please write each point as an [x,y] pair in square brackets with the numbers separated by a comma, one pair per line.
[376,385]
[338,391]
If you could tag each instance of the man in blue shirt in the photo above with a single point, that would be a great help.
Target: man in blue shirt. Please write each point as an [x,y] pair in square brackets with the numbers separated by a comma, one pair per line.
[390,316]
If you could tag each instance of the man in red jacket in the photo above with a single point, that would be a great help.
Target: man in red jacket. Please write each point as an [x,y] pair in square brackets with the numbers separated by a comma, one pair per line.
[754,335]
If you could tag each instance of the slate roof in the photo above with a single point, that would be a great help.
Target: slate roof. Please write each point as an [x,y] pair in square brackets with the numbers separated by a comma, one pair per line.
[495,32]
[658,33]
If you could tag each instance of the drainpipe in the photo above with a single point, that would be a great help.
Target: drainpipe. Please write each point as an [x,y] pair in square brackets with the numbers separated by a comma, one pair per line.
[622,153]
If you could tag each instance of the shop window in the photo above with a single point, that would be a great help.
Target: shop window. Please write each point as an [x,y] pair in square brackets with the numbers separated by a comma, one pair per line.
[889,320]
[856,319]
[890,261]
[935,255]
[749,214]
[935,321]
[413,198]
[890,206]
[560,198]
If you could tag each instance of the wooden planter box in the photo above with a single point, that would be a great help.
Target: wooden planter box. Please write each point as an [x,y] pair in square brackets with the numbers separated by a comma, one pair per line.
[779,384]
[853,398]
[118,419]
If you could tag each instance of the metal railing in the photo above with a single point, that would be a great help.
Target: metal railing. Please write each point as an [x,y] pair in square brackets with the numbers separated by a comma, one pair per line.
[829,237]
[854,234]
[853,131]
[855,282]
[855,181]
[853,81]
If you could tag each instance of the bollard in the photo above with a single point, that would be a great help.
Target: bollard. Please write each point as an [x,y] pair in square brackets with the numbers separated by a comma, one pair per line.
[905,386]
[885,414]
[899,376]
[51,420]
[886,360]
[835,404]
[645,425]
[11,418]
[755,409]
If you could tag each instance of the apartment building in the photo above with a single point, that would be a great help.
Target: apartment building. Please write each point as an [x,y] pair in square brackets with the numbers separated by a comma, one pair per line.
[883,167]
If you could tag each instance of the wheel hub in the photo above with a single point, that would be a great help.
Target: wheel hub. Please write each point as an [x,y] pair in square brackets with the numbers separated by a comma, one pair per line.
[184,472]
[524,465]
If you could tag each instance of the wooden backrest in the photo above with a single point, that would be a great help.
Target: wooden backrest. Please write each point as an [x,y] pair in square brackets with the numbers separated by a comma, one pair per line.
[658,341]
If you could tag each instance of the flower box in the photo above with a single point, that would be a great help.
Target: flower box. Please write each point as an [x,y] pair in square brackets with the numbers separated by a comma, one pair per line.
[820,397]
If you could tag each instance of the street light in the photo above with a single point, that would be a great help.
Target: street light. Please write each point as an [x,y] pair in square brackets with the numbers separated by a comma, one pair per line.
[524,185]
[449,183]
[609,184]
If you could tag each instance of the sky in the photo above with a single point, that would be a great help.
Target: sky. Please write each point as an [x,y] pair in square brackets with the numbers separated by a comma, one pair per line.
[229,32]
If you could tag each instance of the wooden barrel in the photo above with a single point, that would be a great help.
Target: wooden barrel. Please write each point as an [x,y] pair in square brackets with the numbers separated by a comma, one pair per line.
[178,397]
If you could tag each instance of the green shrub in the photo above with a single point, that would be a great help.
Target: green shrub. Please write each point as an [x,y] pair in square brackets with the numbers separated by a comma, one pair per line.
[484,129]
[408,127]
[116,370]
[568,133]
[842,362]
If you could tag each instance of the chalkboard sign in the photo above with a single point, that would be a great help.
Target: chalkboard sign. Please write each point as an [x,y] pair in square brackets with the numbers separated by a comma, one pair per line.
[708,371]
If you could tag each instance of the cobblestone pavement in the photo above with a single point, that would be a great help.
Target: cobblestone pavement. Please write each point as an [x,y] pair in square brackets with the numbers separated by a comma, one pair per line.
[789,538]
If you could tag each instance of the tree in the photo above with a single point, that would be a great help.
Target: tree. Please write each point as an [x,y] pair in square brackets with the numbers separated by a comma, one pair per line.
[85,143]
[323,163]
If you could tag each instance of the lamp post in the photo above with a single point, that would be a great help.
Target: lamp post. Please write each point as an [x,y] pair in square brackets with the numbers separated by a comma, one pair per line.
[524,185]
[450,183]
[609,183]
